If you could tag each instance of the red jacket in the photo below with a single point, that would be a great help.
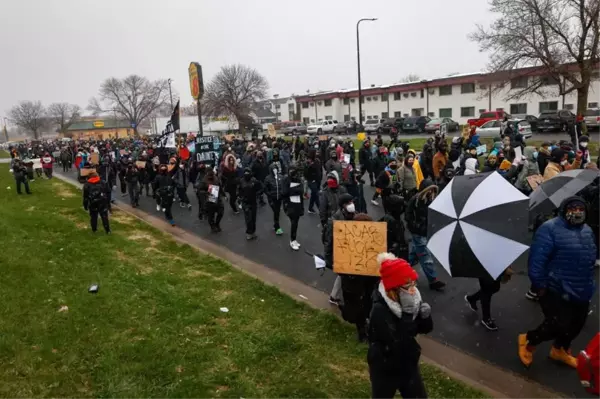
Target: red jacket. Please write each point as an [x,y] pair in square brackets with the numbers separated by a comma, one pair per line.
[47,162]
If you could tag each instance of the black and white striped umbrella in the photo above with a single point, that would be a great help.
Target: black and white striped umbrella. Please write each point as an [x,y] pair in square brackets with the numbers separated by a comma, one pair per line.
[477,225]
[551,193]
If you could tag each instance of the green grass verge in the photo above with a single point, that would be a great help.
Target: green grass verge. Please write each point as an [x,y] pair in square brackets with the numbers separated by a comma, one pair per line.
[155,328]
[4,154]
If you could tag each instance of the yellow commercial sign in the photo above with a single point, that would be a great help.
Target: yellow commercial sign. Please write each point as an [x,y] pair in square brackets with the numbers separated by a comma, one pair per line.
[196,82]
[98,124]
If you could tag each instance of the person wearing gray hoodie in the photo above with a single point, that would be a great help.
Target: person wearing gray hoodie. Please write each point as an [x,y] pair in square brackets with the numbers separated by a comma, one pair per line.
[530,168]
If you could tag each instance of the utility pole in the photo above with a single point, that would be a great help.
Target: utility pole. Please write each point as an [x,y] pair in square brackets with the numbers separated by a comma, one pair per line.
[5,130]
[170,93]
[358,64]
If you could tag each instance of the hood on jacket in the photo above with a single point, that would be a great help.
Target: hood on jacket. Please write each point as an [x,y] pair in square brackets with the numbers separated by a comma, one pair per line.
[529,152]
[334,175]
[426,187]
[227,158]
[471,166]
[562,209]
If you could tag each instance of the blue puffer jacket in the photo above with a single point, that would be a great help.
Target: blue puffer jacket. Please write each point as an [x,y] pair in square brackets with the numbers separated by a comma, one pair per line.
[562,258]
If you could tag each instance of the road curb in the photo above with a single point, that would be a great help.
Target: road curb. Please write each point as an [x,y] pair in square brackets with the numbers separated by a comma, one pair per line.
[480,374]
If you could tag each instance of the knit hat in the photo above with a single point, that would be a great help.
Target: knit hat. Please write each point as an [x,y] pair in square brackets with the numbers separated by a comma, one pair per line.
[344,200]
[505,165]
[395,272]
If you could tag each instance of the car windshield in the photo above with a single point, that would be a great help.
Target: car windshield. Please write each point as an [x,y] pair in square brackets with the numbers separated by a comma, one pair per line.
[592,112]
[371,122]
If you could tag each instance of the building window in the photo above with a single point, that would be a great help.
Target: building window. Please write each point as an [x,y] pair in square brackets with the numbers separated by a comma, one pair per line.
[277,106]
[368,98]
[384,115]
[446,90]
[319,102]
[422,93]
[291,107]
[405,95]
[397,96]
[482,110]
[328,117]
[569,107]
[384,97]
[353,118]
[467,111]
[327,103]
[352,100]
[548,106]
[519,83]
[548,81]
[398,114]
[306,121]
[413,94]
[305,105]
[346,101]
[445,112]
[467,88]
[406,115]
[362,100]
[346,118]
[312,121]
[518,108]
[312,104]
[431,114]
[375,98]
[279,114]
[592,105]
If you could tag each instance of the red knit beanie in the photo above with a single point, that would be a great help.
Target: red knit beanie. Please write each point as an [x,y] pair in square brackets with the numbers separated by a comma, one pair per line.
[395,273]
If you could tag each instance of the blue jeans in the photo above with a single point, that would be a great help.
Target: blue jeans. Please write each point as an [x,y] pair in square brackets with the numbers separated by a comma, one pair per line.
[419,253]
[314,195]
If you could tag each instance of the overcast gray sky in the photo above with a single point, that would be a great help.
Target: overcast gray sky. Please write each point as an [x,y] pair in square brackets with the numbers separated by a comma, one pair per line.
[61,50]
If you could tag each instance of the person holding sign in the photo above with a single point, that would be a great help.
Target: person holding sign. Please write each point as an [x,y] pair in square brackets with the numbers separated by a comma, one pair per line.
[397,316]
[47,164]
[274,185]
[212,190]
[165,187]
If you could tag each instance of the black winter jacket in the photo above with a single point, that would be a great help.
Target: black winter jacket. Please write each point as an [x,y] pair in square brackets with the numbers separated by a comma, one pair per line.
[248,189]
[274,187]
[328,203]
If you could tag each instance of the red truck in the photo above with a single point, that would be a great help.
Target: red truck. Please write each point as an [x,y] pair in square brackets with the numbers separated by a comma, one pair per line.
[487,116]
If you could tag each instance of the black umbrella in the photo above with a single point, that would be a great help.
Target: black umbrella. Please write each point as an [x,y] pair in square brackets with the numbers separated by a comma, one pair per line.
[477,225]
[551,193]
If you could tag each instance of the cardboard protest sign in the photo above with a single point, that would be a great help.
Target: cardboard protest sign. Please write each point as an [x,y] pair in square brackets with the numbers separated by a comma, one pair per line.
[140,164]
[482,149]
[356,246]
[95,158]
[271,130]
[534,181]
[323,137]
[86,171]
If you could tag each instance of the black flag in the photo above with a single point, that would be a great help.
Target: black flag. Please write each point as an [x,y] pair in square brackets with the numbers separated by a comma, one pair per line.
[175,118]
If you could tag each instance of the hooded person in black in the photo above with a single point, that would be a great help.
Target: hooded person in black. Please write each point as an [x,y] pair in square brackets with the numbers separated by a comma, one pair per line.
[122,169]
[96,200]
[200,174]
[132,177]
[274,187]
[20,174]
[165,193]
[366,162]
[329,200]
[313,172]
[248,190]
[260,171]
[293,203]
[230,180]
[211,189]
[396,240]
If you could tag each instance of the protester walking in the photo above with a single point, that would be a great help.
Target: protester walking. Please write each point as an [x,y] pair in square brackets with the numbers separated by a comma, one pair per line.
[294,204]
[96,201]
[20,174]
[249,189]
[165,193]
[274,186]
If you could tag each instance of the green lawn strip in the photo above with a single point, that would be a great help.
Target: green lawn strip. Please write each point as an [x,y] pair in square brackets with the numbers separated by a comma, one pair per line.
[155,328]
[4,154]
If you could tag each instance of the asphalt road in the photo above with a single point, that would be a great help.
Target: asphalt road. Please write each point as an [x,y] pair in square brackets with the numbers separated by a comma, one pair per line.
[455,324]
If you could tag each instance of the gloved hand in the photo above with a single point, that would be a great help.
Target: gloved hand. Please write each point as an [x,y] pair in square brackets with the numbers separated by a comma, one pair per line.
[425,310]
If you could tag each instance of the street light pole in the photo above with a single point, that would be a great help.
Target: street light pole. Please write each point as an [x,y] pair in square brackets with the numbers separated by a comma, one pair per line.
[5,129]
[358,62]
[170,94]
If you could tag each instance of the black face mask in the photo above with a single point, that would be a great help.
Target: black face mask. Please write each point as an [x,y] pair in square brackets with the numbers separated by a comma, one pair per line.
[247,176]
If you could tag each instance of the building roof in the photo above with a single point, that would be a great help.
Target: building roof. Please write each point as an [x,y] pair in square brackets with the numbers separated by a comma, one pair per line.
[263,113]
[108,124]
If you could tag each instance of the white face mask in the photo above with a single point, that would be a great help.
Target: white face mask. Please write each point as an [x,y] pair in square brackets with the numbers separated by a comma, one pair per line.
[584,144]
[350,208]
[564,162]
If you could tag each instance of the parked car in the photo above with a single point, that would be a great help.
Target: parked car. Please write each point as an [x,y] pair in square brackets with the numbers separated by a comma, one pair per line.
[415,124]
[435,124]
[492,128]
[293,128]
[339,127]
[321,127]
[532,119]
[592,118]
[488,116]
[373,125]
[555,120]
[392,122]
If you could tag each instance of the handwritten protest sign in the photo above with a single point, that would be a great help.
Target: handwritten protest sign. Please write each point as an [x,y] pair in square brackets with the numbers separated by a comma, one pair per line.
[323,137]
[482,149]
[140,164]
[534,181]
[207,149]
[356,246]
[86,171]
[271,130]
[95,158]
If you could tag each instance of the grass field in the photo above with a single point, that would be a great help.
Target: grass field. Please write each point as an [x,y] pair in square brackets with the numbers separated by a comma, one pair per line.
[4,154]
[155,328]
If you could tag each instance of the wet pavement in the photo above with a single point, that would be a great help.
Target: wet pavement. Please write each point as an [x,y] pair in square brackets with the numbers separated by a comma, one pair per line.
[455,324]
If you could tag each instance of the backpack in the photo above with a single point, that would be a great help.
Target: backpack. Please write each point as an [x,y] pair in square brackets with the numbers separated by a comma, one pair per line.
[588,365]
[96,196]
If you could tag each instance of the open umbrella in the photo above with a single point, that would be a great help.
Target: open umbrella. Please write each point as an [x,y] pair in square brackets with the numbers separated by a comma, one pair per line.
[477,225]
[551,193]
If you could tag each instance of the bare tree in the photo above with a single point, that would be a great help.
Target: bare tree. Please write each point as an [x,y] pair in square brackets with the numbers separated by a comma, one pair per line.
[134,98]
[30,116]
[63,115]
[234,91]
[411,77]
[559,36]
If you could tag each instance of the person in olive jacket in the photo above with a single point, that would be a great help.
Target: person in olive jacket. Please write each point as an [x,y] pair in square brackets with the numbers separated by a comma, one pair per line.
[397,316]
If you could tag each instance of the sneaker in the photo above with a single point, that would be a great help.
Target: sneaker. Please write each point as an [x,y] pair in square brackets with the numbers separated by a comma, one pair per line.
[123,194]
[189,206]
[311,212]
[250,236]
[181,205]
[531,295]
[294,245]
[297,243]
[279,231]
[563,356]
[490,324]
[374,202]
[471,304]
[525,350]
[109,232]
[333,301]
[172,222]
[236,212]
[164,209]
[437,285]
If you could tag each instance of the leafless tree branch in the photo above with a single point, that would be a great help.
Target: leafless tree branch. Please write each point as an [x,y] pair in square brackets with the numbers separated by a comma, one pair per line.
[30,116]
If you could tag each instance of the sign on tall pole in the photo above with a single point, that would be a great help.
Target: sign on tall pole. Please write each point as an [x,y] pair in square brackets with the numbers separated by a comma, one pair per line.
[197,90]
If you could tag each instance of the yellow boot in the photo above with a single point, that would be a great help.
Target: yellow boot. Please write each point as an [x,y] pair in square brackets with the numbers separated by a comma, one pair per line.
[525,351]
[561,355]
